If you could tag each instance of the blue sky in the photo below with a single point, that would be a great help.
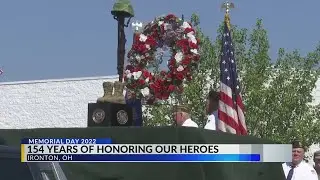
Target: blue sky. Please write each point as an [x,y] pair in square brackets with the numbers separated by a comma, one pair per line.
[50,39]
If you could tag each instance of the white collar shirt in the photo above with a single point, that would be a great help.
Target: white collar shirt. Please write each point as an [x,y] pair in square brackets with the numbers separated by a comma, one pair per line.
[211,123]
[303,171]
[189,123]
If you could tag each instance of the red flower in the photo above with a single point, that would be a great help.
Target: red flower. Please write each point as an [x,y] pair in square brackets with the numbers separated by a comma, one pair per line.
[184,45]
[141,48]
[170,17]
[182,42]
[193,45]
[179,76]
[146,74]
[156,86]
[186,60]
[151,41]
[187,30]
[165,95]
[141,82]
[171,88]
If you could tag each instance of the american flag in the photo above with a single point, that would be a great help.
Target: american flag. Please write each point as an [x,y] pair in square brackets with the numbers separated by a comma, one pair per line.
[231,108]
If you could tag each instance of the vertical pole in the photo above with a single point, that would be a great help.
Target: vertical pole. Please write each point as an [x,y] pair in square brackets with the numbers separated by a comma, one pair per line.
[121,47]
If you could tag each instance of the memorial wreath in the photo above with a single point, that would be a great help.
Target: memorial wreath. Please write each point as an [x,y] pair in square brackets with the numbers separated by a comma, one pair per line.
[167,31]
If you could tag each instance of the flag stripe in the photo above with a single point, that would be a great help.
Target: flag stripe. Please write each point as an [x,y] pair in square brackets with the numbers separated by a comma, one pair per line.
[230,111]
[226,95]
[223,125]
[231,108]
[228,120]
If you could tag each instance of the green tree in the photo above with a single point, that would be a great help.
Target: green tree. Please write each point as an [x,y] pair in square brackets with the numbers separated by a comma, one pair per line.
[277,94]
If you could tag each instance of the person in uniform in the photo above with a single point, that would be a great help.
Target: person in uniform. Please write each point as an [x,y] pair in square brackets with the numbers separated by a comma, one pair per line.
[316,160]
[212,105]
[182,116]
[298,169]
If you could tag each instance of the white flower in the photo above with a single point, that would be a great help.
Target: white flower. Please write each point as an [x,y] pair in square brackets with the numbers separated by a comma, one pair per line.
[145,91]
[137,75]
[148,46]
[180,68]
[147,80]
[192,38]
[128,74]
[190,33]
[143,38]
[127,71]
[194,51]
[160,23]
[178,56]
[186,25]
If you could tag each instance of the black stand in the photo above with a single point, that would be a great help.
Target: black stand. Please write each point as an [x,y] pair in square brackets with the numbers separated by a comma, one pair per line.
[109,114]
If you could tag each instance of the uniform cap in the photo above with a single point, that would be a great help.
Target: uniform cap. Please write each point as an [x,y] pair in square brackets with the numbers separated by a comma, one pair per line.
[297,144]
[182,108]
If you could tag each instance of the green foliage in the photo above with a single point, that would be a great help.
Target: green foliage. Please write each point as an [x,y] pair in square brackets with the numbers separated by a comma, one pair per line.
[277,94]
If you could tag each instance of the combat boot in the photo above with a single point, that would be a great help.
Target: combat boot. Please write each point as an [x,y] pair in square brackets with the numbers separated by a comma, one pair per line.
[118,93]
[107,96]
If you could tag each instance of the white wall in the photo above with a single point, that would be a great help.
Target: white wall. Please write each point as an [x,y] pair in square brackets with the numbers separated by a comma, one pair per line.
[48,103]
[59,103]
[55,103]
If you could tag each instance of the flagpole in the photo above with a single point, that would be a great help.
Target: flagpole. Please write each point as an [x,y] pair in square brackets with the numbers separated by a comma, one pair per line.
[231,104]
[227,5]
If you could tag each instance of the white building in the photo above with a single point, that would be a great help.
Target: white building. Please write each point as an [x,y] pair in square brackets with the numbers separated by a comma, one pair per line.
[49,103]
[55,103]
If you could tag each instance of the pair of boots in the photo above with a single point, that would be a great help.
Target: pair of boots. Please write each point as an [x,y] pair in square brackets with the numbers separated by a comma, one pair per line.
[109,96]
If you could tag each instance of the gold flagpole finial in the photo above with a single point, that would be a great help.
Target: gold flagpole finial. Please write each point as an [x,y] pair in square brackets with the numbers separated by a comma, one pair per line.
[227,5]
